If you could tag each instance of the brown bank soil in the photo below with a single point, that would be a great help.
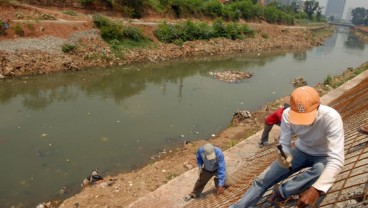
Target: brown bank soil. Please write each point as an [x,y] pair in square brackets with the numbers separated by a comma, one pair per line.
[40,23]
[128,187]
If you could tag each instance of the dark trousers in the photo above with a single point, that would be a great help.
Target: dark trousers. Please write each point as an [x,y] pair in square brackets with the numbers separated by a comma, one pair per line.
[266,132]
[203,179]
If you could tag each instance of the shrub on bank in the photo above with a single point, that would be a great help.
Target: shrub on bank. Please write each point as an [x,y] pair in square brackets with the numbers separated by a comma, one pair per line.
[68,48]
[187,31]
[118,36]
[19,30]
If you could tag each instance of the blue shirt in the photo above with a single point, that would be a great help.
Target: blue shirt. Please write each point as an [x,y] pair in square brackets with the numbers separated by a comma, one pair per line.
[220,163]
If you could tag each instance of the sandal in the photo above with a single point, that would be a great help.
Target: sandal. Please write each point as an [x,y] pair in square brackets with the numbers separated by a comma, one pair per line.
[275,197]
[188,197]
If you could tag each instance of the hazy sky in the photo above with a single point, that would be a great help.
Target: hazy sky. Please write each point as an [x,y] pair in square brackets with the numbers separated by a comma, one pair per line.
[349,4]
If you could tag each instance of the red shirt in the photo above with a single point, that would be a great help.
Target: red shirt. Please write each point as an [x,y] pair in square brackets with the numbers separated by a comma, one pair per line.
[275,117]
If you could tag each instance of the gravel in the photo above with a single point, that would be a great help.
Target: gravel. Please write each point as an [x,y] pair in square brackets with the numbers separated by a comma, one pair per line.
[47,44]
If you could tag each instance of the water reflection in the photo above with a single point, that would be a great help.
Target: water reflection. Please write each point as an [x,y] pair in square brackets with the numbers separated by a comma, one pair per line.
[354,42]
[300,56]
[118,83]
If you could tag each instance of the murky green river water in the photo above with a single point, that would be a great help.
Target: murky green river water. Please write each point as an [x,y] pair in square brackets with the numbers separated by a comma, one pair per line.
[55,129]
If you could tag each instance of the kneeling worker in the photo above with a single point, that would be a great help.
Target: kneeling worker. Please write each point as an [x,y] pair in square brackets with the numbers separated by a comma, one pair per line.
[319,151]
[211,163]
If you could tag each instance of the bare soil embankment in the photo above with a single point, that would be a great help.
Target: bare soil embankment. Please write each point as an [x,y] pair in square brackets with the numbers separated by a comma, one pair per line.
[39,49]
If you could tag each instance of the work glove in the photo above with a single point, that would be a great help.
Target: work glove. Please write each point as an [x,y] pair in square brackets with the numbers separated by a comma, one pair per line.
[220,190]
[308,197]
[284,162]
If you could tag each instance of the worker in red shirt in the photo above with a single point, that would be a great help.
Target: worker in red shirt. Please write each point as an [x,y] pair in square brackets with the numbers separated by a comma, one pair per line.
[270,120]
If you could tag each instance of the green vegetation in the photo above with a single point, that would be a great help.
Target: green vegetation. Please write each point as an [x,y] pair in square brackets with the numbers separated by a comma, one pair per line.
[188,30]
[234,10]
[19,30]
[264,35]
[171,176]
[348,74]
[118,36]
[70,12]
[86,2]
[232,143]
[224,15]
[360,16]
[30,27]
[68,48]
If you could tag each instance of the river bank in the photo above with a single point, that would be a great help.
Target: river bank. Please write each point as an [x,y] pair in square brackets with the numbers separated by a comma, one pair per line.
[39,49]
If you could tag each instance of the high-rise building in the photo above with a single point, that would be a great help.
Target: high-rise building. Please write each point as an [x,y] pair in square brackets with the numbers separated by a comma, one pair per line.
[335,8]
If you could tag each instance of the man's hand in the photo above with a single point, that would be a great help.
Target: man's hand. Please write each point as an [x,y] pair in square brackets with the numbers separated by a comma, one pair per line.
[308,197]
[285,163]
[199,171]
[220,190]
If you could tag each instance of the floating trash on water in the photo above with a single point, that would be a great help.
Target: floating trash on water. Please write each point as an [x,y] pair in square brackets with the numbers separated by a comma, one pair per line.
[43,135]
[182,136]
[50,145]
[240,116]
[213,135]
[298,82]
[231,76]
[104,139]
[63,191]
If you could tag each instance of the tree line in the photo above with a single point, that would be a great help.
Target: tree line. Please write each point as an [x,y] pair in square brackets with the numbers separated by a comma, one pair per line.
[359,16]
[233,10]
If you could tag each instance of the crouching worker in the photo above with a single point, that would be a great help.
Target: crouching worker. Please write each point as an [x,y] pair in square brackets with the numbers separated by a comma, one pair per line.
[319,151]
[211,162]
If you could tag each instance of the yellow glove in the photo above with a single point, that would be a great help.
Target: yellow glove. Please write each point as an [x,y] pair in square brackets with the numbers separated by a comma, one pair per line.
[284,162]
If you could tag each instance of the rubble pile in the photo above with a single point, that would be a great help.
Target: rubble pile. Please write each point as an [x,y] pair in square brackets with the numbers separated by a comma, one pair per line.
[231,76]
[298,82]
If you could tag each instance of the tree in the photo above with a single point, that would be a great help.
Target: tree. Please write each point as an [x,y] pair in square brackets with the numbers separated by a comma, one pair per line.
[310,7]
[319,14]
[359,15]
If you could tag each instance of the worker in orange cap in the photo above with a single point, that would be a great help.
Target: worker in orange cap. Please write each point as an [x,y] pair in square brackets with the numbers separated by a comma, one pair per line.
[318,151]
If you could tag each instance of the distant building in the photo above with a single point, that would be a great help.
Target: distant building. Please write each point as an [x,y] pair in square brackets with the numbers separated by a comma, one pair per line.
[349,17]
[335,8]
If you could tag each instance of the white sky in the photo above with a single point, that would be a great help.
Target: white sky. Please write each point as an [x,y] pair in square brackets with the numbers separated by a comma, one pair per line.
[349,4]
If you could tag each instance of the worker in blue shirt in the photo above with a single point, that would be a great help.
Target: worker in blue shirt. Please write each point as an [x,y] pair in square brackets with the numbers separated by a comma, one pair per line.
[211,162]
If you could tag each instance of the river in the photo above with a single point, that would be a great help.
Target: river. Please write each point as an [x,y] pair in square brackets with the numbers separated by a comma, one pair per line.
[55,129]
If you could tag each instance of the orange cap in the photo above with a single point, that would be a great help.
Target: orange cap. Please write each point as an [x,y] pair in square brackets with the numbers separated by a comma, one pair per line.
[304,102]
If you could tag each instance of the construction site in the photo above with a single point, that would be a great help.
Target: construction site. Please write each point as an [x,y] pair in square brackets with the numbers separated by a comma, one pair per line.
[246,160]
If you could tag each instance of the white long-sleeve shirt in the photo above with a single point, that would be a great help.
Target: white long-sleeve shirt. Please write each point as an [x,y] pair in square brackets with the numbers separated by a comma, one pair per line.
[325,137]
